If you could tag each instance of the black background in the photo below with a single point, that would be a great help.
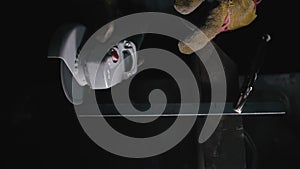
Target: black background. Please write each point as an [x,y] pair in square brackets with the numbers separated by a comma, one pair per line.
[53,138]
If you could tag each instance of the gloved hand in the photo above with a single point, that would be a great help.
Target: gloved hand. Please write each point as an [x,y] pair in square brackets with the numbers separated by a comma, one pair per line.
[228,15]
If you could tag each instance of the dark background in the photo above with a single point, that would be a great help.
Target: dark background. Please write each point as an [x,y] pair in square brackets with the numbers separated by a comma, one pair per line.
[44,131]
[31,25]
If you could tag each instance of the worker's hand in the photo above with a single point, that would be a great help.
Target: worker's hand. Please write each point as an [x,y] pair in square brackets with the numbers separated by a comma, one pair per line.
[187,6]
[228,15]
